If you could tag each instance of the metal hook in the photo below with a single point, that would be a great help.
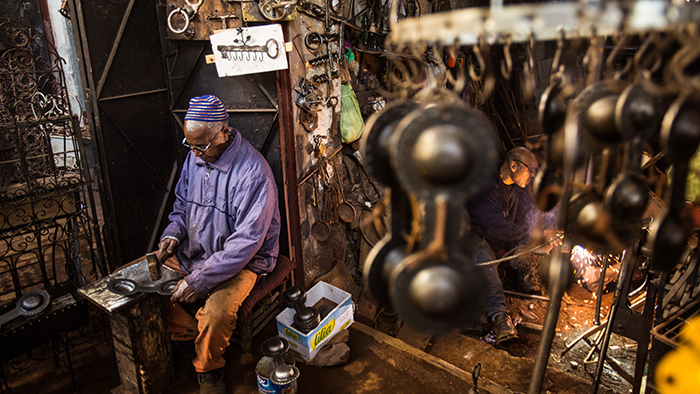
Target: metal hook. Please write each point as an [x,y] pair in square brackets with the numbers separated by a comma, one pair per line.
[529,67]
[457,84]
[247,56]
[557,67]
[644,50]
[622,40]
[480,59]
[507,63]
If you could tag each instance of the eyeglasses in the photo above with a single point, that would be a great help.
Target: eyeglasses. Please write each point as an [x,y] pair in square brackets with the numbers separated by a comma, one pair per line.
[532,171]
[200,147]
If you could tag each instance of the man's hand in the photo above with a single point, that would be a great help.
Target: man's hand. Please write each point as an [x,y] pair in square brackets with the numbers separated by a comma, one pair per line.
[551,233]
[166,248]
[183,293]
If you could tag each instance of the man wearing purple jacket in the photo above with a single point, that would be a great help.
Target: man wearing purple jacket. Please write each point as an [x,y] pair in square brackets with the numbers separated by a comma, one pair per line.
[223,235]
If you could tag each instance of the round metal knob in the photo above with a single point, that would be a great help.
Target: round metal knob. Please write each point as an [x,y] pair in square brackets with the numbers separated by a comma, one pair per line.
[437,290]
[284,374]
[32,301]
[600,120]
[293,295]
[441,156]
[306,319]
[275,346]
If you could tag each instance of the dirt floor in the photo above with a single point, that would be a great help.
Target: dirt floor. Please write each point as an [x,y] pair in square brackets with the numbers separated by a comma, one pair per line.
[380,363]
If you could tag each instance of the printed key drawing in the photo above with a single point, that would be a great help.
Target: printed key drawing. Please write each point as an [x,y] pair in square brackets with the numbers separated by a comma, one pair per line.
[249,50]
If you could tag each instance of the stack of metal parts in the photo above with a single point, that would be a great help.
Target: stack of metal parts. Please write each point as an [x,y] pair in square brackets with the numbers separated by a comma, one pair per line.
[435,154]
[306,318]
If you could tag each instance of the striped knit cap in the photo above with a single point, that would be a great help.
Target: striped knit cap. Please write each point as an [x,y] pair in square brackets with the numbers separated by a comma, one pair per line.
[206,108]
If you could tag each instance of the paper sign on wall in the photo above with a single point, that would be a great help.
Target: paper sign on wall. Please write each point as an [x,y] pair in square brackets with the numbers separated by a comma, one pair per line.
[249,50]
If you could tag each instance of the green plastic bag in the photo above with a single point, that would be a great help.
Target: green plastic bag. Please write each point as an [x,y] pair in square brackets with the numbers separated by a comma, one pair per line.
[351,122]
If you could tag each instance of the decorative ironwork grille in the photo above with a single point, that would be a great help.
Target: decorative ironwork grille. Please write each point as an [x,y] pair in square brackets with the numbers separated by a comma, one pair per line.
[44,221]
[47,226]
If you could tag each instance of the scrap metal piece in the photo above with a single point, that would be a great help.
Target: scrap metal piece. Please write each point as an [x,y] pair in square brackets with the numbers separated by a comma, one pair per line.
[28,306]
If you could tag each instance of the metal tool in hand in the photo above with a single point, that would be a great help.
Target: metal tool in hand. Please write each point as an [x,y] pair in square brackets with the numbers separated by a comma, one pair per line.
[128,287]
[154,265]
[188,12]
[28,306]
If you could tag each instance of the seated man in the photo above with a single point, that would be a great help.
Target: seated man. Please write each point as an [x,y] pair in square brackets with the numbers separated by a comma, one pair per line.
[502,217]
[223,234]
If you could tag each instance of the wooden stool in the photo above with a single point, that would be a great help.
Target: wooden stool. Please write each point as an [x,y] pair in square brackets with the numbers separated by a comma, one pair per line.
[263,303]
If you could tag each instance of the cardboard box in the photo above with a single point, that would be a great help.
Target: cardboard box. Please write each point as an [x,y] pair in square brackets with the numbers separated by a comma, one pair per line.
[340,318]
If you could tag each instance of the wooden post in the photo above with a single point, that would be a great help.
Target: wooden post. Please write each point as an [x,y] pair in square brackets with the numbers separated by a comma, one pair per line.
[142,347]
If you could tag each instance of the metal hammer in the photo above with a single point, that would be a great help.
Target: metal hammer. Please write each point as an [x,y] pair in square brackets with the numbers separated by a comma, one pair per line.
[153,265]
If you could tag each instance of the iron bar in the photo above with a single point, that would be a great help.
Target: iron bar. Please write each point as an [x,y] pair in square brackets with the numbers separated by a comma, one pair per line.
[115,47]
[560,268]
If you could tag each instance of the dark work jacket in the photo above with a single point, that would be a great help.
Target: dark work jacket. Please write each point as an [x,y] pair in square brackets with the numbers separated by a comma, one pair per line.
[504,215]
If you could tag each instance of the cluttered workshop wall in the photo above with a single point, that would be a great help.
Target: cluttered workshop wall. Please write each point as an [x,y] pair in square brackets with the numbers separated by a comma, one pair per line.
[339,70]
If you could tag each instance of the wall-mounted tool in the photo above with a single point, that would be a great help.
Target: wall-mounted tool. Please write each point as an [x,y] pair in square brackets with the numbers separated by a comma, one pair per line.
[223,19]
[188,13]
[310,8]
[323,59]
[276,10]
[314,40]
[323,78]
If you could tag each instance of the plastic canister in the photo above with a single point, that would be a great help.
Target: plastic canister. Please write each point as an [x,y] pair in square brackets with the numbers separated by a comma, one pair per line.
[263,371]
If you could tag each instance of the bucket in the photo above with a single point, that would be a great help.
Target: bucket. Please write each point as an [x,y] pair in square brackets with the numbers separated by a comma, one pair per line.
[262,372]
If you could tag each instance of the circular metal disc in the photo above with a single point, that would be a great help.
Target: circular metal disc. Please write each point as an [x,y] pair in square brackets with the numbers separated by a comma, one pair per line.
[468,292]
[33,303]
[375,265]
[590,97]
[275,346]
[168,288]
[638,113]
[346,212]
[476,139]
[378,129]
[123,286]
[321,231]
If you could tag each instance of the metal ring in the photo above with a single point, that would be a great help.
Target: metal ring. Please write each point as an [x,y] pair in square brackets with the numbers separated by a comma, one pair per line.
[313,41]
[268,48]
[170,20]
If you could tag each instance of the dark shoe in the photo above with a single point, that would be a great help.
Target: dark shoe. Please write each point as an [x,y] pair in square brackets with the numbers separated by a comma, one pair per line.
[212,382]
[503,327]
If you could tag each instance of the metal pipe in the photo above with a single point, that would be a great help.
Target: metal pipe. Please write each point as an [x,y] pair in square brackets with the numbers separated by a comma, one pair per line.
[626,266]
[599,293]
[560,275]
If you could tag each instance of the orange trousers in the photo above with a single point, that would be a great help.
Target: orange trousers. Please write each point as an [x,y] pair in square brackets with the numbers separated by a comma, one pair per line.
[213,324]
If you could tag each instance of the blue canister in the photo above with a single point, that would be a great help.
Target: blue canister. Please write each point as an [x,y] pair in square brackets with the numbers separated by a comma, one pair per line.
[263,371]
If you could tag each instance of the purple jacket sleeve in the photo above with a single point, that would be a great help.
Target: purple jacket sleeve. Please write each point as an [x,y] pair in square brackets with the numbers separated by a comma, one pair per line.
[254,214]
[177,228]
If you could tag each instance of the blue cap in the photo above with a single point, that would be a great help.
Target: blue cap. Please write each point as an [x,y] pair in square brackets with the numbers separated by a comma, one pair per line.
[206,108]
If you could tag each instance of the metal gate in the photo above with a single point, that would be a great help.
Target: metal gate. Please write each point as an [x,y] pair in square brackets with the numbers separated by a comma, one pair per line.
[49,239]
[139,84]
